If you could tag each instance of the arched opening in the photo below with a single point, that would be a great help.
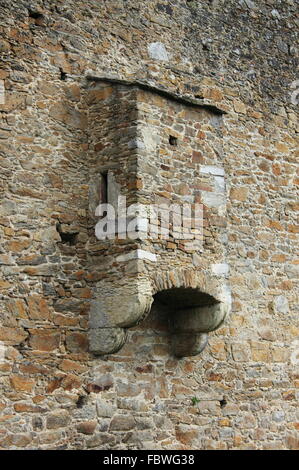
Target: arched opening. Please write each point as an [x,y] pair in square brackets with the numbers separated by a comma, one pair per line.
[191,315]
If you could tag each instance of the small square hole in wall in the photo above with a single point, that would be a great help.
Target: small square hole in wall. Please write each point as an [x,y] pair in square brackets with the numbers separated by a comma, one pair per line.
[173,140]
[67,237]
[37,17]
[63,75]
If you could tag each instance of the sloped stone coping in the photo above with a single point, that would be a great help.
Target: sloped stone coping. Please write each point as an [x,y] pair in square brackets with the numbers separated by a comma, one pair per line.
[143,85]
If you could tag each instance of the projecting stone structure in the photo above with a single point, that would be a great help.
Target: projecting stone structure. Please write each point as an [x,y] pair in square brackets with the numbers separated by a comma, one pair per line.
[145,342]
[137,129]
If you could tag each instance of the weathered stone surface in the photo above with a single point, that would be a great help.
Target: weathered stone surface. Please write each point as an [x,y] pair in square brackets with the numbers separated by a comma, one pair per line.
[106,340]
[67,115]
[101,383]
[188,344]
[122,423]
[218,127]
[105,409]
[292,441]
[38,308]
[239,194]
[187,435]
[13,336]
[199,319]
[280,304]
[87,427]
[58,419]
[119,307]
[23,384]
[240,352]
[76,342]
[44,339]
[157,51]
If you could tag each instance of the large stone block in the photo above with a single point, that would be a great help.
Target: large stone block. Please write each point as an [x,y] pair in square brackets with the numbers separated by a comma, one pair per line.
[106,340]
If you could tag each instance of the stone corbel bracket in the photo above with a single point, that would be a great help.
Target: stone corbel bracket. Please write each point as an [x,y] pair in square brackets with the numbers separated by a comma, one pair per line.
[190,327]
[113,310]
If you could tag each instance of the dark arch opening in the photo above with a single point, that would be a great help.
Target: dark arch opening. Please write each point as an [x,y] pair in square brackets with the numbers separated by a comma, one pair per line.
[184,297]
[189,315]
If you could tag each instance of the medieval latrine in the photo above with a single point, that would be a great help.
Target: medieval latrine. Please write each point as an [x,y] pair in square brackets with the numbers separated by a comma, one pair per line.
[140,332]
[132,127]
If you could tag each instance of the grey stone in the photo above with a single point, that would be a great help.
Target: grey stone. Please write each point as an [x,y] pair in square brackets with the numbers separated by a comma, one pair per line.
[35,262]
[275,14]
[158,51]
[219,184]
[220,269]
[281,304]
[135,143]
[213,199]
[144,423]
[86,412]
[292,270]
[105,409]
[49,234]
[122,423]
[58,419]
[212,170]
[100,439]
[216,121]
[137,254]
[226,433]
[189,344]
[7,207]
[198,319]
[197,260]
[119,307]
[283,47]
[231,409]
[278,416]
[247,3]
[103,382]
[106,340]
[135,404]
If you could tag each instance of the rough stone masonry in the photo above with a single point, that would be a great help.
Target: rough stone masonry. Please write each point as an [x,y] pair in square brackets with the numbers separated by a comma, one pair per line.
[173,101]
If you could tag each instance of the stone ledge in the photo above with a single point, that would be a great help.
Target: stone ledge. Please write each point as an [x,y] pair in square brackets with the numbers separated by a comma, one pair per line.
[143,85]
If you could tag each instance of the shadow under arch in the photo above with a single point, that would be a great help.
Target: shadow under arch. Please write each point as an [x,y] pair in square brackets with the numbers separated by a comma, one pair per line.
[191,315]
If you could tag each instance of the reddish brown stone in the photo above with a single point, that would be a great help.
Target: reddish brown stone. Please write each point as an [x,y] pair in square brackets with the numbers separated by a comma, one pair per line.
[197,157]
[76,342]
[23,384]
[18,245]
[38,308]
[44,339]
[27,408]
[87,427]
[12,335]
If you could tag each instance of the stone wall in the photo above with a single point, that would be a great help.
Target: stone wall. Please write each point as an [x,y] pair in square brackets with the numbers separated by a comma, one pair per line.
[239,57]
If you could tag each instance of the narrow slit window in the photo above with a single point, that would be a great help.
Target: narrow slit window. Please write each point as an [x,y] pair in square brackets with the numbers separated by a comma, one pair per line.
[104,188]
